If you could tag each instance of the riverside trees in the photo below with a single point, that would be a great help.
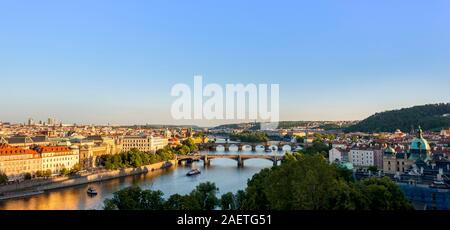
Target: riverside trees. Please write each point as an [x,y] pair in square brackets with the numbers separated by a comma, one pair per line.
[302,182]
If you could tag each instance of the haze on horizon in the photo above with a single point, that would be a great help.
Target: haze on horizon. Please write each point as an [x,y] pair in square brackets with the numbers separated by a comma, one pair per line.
[115,62]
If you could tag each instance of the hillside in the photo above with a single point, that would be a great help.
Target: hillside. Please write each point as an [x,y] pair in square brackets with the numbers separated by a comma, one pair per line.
[431,117]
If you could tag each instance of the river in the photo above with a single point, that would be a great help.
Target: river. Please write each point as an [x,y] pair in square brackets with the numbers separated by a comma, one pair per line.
[223,172]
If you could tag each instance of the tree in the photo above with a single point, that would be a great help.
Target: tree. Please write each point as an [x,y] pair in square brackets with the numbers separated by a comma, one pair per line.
[190,143]
[227,201]
[64,172]
[185,203]
[75,169]
[384,194]
[373,169]
[152,200]
[184,150]
[205,195]
[3,178]
[255,195]
[27,176]
[430,117]
[309,182]
[47,173]
[125,199]
[39,173]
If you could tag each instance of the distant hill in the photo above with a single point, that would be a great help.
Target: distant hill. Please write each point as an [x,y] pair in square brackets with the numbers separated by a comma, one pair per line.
[432,117]
[326,125]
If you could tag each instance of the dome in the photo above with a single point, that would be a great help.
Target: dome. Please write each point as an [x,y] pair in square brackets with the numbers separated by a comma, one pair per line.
[419,149]
[420,144]
[390,150]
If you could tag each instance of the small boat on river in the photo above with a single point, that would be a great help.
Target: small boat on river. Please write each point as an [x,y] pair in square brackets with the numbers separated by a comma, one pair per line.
[91,191]
[193,172]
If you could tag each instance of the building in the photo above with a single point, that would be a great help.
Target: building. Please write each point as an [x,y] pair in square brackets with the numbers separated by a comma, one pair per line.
[174,142]
[26,141]
[366,157]
[419,149]
[55,158]
[445,132]
[338,155]
[108,144]
[16,162]
[395,163]
[144,143]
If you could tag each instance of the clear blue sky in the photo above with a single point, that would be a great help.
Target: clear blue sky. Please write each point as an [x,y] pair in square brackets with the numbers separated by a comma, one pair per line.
[108,61]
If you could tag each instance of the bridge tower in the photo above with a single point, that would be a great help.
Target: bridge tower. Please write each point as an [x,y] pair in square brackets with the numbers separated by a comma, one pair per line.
[240,161]
[206,161]
[275,161]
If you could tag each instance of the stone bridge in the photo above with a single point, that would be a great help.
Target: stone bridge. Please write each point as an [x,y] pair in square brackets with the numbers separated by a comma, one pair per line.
[240,158]
[247,145]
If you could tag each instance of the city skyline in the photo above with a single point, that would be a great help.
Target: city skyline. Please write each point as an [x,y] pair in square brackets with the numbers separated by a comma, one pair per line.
[109,62]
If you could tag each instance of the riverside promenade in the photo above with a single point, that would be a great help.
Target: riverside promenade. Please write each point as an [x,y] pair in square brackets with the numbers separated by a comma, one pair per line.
[38,186]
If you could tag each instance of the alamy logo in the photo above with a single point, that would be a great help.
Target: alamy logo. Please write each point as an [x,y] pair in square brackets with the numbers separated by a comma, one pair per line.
[235,102]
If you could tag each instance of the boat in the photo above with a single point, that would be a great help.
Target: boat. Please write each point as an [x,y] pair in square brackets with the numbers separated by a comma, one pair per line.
[91,191]
[439,185]
[166,164]
[193,172]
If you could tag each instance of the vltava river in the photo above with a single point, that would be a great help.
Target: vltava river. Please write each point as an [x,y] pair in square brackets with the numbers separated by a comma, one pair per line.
[223,172]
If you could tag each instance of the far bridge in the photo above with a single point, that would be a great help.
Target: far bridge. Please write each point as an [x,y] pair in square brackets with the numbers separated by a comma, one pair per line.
[239,158]
[250,146]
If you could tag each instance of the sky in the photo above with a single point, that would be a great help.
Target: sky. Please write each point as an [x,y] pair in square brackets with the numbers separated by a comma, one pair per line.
[115,62]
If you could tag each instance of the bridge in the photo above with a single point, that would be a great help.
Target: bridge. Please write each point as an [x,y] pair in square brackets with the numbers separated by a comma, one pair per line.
[240,158]
[250,146]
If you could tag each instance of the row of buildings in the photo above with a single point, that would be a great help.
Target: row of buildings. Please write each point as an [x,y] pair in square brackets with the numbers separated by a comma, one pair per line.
[394,158]
[20,155]
[15,161]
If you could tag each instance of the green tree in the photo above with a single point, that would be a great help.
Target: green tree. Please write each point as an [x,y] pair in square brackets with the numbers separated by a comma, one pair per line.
[39,173]
[384,194]
[255,194]
[185,203]
[184,150]
[227,201]
[205,195]
[75,169]
[47,173]
[64,172]
[373,169]
[27,176]
[3,178]
[309,182]
[125,199]
[152,200]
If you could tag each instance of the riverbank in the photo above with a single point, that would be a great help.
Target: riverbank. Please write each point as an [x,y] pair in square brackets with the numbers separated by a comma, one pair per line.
[33,187]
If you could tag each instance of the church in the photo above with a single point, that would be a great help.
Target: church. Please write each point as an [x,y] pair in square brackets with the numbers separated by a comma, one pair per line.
[419,152]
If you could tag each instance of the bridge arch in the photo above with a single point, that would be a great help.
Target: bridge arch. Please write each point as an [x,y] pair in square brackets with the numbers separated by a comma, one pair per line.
[247,148]
[273,148]
[260,148]
[286,148]
[233,148]
[220,148]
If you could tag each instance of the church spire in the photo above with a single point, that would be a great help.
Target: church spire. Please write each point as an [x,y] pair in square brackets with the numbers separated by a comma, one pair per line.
[420,132]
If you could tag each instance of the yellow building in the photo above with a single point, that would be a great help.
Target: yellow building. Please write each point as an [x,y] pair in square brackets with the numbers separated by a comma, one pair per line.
[15,162]
[55,158]
[394,162]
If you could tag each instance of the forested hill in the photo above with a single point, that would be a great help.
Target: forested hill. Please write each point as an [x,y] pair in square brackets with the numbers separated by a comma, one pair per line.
[432,117]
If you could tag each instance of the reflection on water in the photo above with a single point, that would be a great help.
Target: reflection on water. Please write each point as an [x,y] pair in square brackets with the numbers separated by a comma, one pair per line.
[224,172]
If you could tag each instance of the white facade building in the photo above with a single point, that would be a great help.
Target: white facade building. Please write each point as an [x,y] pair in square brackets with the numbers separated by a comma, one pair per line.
[366,157]
[337,155]
[144,143]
